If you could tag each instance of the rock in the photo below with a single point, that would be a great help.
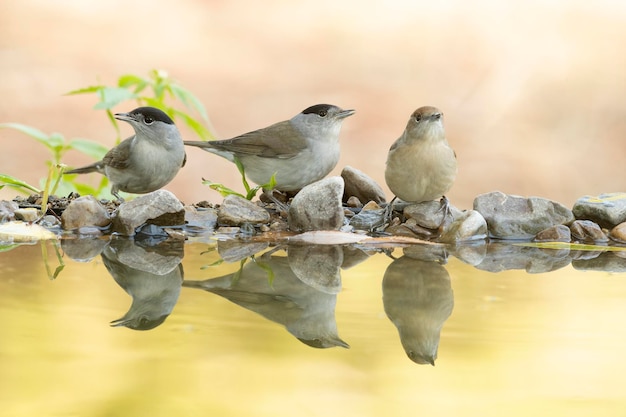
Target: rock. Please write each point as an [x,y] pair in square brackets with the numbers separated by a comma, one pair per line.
[370,217]
[204,218]
[558,233]
[26,214]
[236,211]
[618,233]
[515,217]
[608,210]
[17,231]
[428,214]
[361,186]
[318,206]
[354,202]
[502,257]
[84,211]
[7,210]
[468,225]
[159,207]
[587,231]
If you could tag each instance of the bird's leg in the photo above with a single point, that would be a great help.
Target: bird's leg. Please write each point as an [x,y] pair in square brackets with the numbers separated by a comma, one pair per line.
[389,210]
[280,206]
[116,193]
[447,212]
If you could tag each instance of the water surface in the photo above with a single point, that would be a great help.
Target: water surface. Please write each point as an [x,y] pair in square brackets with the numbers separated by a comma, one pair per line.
[278,336]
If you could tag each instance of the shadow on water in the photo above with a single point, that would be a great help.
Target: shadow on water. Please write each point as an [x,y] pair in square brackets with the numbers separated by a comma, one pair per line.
[296,285]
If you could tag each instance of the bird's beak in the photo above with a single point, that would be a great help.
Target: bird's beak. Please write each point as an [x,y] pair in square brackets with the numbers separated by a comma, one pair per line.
[345,113]
[127,117]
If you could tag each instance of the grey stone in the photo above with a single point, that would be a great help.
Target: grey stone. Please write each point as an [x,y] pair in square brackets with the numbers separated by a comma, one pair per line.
[368,218]
[26,214]
[360,185]
[160,207]
[7,210]
[618,233]
[558,233]
[353,256]
[468,225]
[318,206]
[236,211]
[515,217]
[502,257]
[429,214]
[608,210]
[587,231]
[354,202]
[205,218]
[84,211]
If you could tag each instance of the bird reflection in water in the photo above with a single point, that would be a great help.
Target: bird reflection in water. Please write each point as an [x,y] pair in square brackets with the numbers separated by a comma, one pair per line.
[418,299]
[151,275]
[298,291]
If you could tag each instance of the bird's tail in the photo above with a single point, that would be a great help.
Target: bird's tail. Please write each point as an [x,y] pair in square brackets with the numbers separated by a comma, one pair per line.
[95,167]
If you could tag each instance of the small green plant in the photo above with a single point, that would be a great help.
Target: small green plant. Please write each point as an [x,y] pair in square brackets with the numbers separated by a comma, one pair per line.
[58,146]
[250,191]
[162,88]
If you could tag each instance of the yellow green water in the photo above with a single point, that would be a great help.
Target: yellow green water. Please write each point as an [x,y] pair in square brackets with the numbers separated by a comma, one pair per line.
[515,344]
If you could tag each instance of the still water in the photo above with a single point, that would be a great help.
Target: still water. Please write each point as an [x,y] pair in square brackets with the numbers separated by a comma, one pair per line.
[128,330]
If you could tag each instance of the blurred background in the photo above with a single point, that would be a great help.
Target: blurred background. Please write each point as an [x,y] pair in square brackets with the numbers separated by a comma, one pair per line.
[533,92]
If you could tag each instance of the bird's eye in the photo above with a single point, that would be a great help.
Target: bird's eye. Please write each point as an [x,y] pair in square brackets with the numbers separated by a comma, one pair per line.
[323,113]
[148,120]
[418,117]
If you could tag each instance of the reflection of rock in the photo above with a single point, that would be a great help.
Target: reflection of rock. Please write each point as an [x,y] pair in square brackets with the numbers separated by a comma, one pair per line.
[418,299]
[503,256]
[151,276]
[606,261]
[269,287]
[317,266]
[83,249]
[236,250]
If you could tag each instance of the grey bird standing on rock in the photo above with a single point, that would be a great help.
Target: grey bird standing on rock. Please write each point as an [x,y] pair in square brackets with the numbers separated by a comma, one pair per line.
[146,161]
[421,166]
[299,151]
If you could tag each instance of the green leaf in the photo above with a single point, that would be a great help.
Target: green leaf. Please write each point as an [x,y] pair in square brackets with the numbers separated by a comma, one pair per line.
[17,183]
[572,246]
[188,99]
[194,124]
[56,140]
[222,189]
[130,80]
[86,90]
[112,96]
[27,130]
[89,147]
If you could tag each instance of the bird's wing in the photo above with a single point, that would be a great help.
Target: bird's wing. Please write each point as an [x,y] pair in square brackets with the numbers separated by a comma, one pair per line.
[184,160]
[272,142]
[117,157]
